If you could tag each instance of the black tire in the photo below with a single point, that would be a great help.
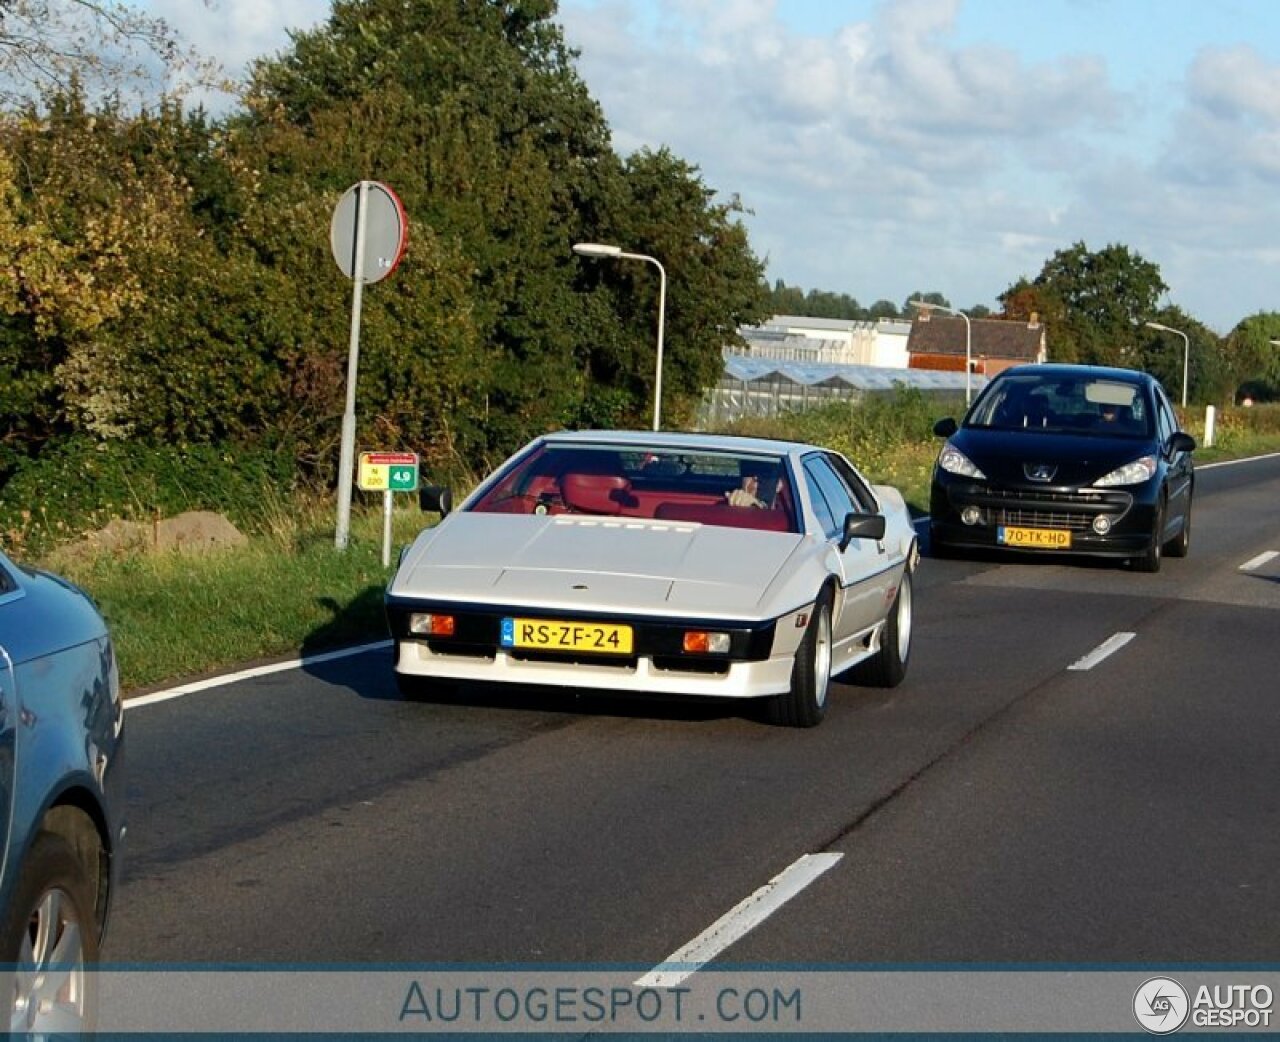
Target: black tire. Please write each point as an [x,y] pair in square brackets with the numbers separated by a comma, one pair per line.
[51,921]
[805,704]
[1149,561]
[1180,544]
[888,667]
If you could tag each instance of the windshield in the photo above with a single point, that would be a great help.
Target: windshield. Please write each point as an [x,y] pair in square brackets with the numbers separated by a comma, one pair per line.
[738,490]
[1075,404]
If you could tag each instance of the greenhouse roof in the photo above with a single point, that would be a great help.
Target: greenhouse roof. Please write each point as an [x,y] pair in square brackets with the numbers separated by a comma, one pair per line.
[855,377]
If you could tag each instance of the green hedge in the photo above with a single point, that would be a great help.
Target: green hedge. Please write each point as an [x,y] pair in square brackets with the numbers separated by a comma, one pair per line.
[78,485]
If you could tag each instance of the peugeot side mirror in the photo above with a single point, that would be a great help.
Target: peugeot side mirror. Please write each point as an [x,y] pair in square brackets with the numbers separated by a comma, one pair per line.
[1181,441]
[435,497]
[946,427]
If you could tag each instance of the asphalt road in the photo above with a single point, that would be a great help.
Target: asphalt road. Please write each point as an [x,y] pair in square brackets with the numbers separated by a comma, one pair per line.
[999,807]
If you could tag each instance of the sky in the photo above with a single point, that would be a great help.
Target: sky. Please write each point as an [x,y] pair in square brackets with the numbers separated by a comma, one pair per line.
[885,147]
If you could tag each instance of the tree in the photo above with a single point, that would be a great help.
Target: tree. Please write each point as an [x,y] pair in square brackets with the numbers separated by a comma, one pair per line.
[1252,358]
[74,219]
[474,112]
[51,47]
[715,285]
[1093,303]
[786,300]
[168,280]
[1165,355]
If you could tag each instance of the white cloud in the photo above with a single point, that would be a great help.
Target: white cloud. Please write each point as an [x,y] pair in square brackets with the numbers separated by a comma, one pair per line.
[884,156]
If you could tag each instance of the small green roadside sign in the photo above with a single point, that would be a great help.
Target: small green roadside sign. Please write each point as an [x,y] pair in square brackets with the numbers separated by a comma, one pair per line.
[388,472]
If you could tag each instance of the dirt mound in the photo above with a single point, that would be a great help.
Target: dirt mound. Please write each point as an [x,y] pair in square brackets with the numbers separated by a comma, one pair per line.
[197,531]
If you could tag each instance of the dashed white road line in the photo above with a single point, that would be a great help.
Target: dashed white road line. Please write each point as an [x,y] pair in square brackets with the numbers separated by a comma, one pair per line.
[1259,561]
[738,921]
[247,674]
[1108,647]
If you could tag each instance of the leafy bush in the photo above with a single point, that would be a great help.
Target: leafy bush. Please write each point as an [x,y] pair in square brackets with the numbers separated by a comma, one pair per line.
[1236,427]
[867,430]
[78,485]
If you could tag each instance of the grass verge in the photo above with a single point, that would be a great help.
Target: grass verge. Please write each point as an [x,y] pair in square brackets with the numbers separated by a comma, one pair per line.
[175,615]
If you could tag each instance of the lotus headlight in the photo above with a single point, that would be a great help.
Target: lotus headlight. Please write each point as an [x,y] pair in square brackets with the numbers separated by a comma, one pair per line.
[953,461]
[1134,473]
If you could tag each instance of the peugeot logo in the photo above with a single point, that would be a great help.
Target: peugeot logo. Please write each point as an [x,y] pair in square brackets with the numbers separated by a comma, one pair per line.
[1039,471]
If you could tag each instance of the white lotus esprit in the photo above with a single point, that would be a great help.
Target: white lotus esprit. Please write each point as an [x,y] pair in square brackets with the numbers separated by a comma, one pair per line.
[668,563]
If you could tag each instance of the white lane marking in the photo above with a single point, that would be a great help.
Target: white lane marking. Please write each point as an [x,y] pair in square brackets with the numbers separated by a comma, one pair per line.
[1236,462]
[1108,647]
[248,674]
[1259,561]
[738,921]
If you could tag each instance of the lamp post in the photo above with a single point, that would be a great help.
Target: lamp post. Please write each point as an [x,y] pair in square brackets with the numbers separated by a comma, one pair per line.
[596,249]
[1186,352]
[968,342]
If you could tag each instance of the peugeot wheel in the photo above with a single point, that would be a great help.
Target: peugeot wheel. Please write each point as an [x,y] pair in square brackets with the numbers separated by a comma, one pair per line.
[1149,560]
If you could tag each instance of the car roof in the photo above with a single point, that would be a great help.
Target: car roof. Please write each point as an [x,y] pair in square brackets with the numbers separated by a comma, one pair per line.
[680,440]
[1052,370]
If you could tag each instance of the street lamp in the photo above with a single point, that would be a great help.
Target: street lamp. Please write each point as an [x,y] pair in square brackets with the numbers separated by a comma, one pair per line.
[596,249]
[968,342]
[1186,352]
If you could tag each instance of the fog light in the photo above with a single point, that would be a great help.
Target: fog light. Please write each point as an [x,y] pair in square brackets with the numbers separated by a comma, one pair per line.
[425,625]
[1102,524]
[971,515]
[699,642]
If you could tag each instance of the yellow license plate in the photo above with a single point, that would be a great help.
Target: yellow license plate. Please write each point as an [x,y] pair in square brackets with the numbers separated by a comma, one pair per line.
[551,635]
[1035,538]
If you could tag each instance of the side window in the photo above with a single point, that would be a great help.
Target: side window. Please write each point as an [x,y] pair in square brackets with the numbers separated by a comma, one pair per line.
[831,498]
[1166,423]
[862,494]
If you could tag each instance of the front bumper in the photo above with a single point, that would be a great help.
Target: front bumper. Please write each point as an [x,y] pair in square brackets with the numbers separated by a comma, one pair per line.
[759,662]
[1130,513]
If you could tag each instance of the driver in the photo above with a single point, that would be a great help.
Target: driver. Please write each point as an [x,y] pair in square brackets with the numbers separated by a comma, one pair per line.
[747,493]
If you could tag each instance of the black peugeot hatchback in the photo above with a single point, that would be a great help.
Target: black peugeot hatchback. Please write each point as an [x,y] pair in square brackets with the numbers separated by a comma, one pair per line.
[1066,459]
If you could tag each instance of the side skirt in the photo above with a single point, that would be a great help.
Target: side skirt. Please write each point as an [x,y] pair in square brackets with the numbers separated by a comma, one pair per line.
[848,653]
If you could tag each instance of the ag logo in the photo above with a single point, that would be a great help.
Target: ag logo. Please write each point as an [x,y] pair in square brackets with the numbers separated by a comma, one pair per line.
[1161,1005]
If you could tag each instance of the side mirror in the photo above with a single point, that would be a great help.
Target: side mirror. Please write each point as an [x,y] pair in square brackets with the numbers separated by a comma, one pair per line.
[1181,441]
[861,526]
[944,428]
[435,497]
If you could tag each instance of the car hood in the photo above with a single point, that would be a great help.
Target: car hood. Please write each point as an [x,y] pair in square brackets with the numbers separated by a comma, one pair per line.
[599,564]
[1074,459]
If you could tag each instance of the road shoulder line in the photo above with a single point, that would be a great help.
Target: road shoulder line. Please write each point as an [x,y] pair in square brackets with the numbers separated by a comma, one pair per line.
[224,679]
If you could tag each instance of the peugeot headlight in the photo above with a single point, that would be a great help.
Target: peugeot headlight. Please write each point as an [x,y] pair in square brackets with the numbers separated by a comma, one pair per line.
[953,461]
[1134,473]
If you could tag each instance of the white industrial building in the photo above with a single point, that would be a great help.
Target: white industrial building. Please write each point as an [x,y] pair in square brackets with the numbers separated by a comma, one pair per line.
[828,341]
